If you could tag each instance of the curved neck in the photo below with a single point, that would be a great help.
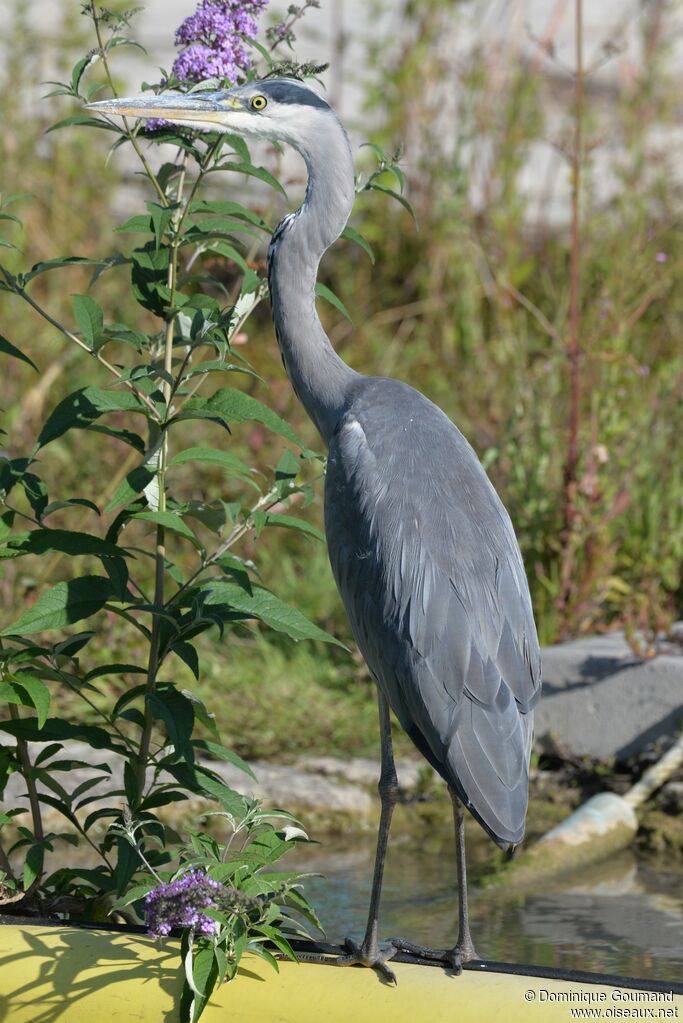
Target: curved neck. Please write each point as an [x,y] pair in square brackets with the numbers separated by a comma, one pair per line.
[321,380]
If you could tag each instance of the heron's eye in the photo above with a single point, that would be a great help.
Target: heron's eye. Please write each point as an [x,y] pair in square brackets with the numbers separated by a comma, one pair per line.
[259,102]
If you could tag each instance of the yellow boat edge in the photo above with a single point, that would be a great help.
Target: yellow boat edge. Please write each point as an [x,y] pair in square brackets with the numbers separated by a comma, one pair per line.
[53,973]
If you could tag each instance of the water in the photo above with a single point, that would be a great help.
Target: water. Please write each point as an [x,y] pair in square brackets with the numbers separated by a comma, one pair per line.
[623,918]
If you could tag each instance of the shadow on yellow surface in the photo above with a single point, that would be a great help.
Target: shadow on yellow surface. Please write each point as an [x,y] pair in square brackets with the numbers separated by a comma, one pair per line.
[62,974]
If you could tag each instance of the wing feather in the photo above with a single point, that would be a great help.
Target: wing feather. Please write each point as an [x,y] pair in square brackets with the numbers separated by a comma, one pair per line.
[430,572]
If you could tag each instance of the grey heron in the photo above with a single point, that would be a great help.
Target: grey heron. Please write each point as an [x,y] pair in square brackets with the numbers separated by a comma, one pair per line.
[422,549]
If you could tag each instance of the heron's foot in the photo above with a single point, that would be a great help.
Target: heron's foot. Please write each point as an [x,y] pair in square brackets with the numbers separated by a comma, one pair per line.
[364,955]
[463,952]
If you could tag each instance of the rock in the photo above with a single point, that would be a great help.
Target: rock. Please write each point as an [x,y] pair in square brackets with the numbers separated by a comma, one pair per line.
[288,787]
[600,700]
[362,770]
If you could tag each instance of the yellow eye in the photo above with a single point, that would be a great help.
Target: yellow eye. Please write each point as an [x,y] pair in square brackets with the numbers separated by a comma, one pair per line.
[259,102]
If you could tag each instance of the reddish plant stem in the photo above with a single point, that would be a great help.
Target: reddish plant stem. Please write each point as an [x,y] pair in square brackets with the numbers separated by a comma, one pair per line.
[573,345]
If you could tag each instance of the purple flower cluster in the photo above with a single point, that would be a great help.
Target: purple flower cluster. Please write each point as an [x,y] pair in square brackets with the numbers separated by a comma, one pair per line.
[180,904]
[211,37]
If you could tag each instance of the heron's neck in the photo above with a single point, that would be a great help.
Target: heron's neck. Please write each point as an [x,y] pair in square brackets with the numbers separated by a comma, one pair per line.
[321,379]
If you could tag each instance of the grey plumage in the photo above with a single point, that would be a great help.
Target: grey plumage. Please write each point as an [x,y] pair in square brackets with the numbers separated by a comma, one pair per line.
[427,564]
[421,547]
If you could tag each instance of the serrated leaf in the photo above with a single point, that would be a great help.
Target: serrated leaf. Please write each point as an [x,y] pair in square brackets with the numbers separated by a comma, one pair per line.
[7,348]
[64,604]
[322,291]
[81,408]
[264,605]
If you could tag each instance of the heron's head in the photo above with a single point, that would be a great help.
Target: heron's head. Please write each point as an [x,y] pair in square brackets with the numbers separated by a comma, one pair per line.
[278,109]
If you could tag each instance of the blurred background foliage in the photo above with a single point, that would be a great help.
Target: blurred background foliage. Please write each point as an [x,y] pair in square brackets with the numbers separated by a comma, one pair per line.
[472,309]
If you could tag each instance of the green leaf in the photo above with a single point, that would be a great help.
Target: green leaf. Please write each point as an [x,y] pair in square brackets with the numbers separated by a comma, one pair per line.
[81,408]
[129,487]
[322,291]
[359,239]
[229,251]
[230,800]
[170,520]
[33,866]
[79,69]
[255,172]
[149,276]
[205,975]
[139,224]
[9,349]
[223,753]
[90,319]
[228,405]
[263,604]
[72,502]
[37,693]
[54,264]
[235,466]
[85,120]
[394,195]
[177,713]
[289,522]
[39,541]
[64,604]
[225,208]
[137,892]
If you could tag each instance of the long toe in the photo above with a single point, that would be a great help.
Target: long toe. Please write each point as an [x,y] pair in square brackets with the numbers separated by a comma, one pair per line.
[376,959]
[450,957]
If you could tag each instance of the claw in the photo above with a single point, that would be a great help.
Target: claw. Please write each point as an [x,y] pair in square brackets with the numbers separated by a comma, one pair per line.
[376,959]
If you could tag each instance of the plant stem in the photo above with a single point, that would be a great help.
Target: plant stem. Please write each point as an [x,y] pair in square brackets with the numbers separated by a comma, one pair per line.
[160,546]
[573,348]
[130,134]
[264,503]
[5,864]
[81,344]
[27,769]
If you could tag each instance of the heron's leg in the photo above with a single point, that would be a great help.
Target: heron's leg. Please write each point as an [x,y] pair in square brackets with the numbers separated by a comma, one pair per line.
[388,794]
[369,953]
[463,951]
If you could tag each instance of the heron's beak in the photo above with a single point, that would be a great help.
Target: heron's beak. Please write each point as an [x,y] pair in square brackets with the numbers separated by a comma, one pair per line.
[172,106]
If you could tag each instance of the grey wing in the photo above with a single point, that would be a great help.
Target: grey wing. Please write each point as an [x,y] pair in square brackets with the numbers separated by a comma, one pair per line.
[429,570]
